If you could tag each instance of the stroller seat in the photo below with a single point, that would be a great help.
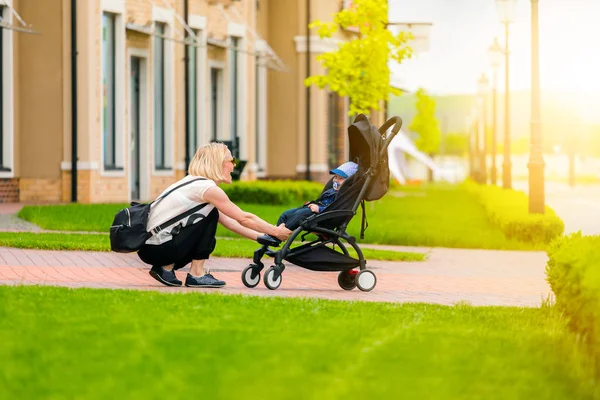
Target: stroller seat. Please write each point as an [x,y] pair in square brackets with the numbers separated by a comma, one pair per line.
[329,252]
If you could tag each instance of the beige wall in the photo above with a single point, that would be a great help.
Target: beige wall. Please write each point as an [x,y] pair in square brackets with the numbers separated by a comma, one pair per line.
[43,85]
[40,88]
[283,107]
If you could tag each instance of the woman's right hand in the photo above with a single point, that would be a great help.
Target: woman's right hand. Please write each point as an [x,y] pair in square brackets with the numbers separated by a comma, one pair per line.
[282,232]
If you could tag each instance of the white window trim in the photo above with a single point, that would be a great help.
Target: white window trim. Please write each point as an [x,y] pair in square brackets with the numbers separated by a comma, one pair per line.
[261,125]
[222,86]
[113,6]
[313,168]
[8,99]
[167,17]
[120,156]
[317,45]
[199,23]
[145,107]
[81,166]
[239,31]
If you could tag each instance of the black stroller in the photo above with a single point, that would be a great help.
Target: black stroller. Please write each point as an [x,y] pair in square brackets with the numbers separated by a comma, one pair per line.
[368,148]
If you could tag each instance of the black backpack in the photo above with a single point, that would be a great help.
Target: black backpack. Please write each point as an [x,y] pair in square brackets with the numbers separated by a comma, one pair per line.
[129,231]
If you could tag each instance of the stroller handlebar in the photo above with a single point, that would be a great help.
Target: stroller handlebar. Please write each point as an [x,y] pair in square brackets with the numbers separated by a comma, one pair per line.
[397,122]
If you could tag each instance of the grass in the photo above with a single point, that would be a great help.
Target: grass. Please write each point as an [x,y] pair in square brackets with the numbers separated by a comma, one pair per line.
[97,344]
[429,215]
[226,247]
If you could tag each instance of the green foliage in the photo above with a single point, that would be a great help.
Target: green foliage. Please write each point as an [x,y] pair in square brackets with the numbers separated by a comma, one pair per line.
[455,143]
[72,217]
[273,192]
[96,344]
[573,272]
[425,124]
[509,210]
[429,215]
[99,217]
[359,67]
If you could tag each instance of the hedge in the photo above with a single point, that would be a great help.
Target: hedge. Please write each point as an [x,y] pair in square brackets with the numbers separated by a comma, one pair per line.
[273,192]
[573,272]
[509,210]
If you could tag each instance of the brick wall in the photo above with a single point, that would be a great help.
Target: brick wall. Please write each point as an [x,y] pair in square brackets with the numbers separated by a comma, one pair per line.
[83,186]
[9,190]
[38,190]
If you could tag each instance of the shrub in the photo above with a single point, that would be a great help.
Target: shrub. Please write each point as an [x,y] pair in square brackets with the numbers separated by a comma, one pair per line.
[573,272]
[509,210]
[273,192]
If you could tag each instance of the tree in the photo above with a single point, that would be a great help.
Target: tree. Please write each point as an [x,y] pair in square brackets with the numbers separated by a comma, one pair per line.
[456,144]
[425,124]
[359,67]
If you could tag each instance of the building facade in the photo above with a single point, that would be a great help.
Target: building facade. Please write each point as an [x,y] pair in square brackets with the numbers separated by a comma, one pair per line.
[149,82]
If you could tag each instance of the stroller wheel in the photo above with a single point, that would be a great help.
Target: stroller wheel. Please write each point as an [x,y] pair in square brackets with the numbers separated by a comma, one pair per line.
[251,276]
[366,280]
[347,280]
[270,282]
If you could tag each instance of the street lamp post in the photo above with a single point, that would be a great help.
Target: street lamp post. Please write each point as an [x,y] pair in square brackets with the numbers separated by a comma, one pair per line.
[506,11]
[476,147]
[536,159]
[471,147]
[496,55]
[482,84]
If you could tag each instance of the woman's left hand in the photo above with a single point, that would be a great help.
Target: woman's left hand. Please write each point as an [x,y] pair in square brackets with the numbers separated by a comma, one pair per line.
[283,232]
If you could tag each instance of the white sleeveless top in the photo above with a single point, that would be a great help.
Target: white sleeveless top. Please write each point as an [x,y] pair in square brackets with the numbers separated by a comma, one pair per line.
[176,203]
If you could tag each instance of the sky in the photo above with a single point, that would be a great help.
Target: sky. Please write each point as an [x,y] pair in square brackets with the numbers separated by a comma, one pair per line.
[463,30]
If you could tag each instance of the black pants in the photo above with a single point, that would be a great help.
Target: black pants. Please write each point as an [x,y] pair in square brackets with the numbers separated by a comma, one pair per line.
[194,242]
[292,218]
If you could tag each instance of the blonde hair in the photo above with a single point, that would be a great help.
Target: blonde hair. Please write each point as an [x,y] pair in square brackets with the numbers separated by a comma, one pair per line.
[208,161]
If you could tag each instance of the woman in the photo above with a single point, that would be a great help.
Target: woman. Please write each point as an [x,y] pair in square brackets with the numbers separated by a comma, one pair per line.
[192,239]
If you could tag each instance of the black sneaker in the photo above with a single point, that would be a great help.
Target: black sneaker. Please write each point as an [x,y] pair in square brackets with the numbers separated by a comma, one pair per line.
[206,280]
[165,277]
[268,240]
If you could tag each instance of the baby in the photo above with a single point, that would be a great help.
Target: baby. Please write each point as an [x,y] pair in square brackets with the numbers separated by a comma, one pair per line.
[293,217]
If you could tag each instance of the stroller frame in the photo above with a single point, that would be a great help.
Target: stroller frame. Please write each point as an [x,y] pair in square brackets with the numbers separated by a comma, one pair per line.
[349,277]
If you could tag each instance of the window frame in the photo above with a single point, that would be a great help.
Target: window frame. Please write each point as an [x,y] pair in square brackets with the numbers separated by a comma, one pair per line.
[215,133]
[7,97]
[117,9]
[261,111]
[237,32]
[166,17]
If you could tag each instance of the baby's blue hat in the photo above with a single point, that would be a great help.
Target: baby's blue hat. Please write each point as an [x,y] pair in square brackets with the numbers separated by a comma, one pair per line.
[346,170]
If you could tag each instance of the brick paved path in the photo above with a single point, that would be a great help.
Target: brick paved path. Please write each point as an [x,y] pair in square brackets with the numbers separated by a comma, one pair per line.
[480,277]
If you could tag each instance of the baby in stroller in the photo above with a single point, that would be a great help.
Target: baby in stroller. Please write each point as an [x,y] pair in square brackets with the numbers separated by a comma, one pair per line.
[329,251]
[293,217]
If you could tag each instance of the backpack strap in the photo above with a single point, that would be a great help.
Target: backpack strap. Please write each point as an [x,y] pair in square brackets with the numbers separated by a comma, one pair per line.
[175,188]
[177,218]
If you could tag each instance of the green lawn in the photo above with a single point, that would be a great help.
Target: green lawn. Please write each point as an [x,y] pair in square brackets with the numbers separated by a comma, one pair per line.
[226,247]
[438,215]
[98,344]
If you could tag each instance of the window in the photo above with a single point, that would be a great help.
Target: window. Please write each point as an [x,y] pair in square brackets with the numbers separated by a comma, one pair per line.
[160,159]
[216,101]
[109,90]
[234,92]
[261,115]
[192,99]
[332,140]
[336,146]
